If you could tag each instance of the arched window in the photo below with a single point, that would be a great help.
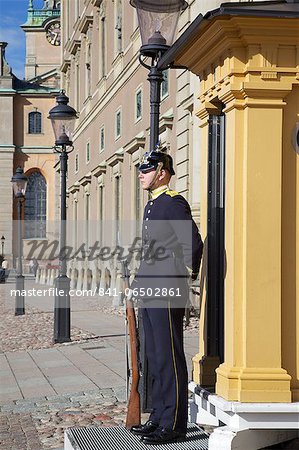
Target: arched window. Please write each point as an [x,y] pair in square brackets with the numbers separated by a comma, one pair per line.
[35,123]
[35,206]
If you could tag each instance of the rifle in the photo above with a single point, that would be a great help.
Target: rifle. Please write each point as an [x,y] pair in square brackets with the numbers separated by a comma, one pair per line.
[133,411]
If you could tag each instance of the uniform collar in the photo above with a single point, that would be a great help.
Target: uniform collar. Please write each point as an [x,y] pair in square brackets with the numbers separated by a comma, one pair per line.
[160,190]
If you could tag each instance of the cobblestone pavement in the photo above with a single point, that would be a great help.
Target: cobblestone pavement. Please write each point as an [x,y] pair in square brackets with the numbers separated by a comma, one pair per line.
[34,330]
[39,423]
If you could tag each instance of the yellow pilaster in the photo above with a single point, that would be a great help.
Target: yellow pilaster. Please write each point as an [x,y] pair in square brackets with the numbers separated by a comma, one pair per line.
[290,243]
[251,65]
[252,371]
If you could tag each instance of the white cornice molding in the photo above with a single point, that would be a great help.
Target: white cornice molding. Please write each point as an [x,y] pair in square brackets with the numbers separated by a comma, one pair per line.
[73,46]
[135,144]
[86,179]
[99,169]
[74,188]
[65,65]
[85,23]
[118,156]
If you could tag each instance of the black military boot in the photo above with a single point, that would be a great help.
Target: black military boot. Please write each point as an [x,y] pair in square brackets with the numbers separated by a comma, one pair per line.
[163,436]
[144,430]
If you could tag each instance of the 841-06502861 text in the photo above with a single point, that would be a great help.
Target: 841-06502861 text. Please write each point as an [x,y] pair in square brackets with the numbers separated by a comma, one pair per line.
[137,293]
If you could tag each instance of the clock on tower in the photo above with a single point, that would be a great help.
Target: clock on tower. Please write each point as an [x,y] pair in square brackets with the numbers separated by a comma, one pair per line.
[53,33]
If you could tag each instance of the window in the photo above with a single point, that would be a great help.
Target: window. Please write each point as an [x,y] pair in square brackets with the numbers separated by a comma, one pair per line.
[137,194]
[117,198]
[118,26]
[88,152]
[34,122]
[138,105]
[77,83]
[103,47]
[77,9]
[76,163]
[88,60]
[164,84]
[117,207]
[101,213]
[102,139]
[87,210]
[75,223]
[35,206]
[135,20]
[118,124]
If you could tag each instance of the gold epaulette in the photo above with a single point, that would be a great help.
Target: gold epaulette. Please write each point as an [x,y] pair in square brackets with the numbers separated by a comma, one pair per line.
[172,193]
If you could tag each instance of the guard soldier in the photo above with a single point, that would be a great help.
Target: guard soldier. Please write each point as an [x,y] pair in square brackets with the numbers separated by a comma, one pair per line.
[172,255]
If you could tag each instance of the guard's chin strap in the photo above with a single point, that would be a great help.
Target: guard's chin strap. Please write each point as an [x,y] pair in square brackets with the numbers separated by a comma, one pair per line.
[158,170]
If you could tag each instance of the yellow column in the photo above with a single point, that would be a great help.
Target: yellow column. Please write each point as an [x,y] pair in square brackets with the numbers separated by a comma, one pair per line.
[252,370]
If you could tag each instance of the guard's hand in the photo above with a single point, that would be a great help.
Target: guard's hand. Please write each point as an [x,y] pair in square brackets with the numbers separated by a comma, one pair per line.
[129,294]
[194,276]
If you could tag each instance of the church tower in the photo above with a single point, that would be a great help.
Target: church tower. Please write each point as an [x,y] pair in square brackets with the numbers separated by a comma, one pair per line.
[43,36]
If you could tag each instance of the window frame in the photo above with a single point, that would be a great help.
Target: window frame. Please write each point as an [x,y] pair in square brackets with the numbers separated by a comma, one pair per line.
[139,90]
[118,41]
[35,112]
[118,135]
[35,211]
[102,129]
[87,152]
[166,94]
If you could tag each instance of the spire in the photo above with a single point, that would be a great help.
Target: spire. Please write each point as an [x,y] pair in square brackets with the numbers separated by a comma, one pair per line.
[30,6]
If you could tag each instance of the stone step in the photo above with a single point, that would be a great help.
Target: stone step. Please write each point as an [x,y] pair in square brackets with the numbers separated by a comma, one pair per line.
[113,438]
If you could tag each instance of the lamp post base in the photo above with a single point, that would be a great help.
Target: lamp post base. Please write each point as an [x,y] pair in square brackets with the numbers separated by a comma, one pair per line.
[20,297]
[62,311]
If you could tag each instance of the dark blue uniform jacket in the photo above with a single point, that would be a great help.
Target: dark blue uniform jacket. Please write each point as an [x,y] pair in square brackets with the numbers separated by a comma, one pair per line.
[172,248]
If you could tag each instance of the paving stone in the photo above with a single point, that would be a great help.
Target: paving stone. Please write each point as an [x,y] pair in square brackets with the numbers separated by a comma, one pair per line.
[107,392]
[31,400]
[57,398]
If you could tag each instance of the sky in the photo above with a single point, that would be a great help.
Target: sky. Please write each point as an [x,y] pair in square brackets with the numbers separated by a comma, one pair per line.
[13,13]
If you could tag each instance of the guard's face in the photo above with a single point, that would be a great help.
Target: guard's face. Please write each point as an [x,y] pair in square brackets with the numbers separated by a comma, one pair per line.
[147,178]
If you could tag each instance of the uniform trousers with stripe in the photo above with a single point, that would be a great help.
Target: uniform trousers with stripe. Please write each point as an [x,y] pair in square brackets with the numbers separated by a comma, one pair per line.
[163,330]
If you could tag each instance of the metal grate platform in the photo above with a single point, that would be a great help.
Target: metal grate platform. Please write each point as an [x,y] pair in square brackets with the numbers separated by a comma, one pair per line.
[115,438]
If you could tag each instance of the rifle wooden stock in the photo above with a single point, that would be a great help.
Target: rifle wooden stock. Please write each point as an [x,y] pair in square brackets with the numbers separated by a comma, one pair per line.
[133,411]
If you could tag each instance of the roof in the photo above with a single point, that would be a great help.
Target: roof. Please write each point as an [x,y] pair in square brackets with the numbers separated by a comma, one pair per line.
[274,9]
[23,86]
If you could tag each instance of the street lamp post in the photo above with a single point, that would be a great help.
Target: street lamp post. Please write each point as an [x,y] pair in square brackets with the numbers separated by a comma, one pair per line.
[2,246]
[19,183]
[63,119]
[157,23]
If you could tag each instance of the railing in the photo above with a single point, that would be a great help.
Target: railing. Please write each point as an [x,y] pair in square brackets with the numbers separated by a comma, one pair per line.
[44,12]
[40,15]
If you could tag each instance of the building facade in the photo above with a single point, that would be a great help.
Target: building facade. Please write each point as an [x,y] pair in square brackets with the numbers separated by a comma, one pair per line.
[26,137]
